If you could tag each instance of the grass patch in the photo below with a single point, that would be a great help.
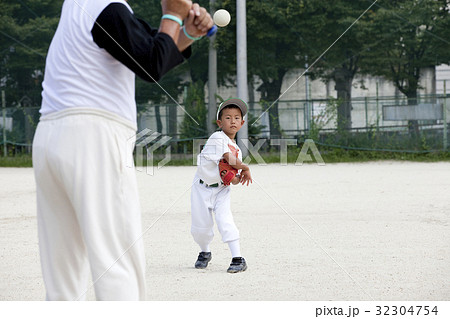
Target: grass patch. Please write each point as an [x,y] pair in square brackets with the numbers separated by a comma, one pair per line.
[356,156]
[366,156]
[16,161]
[332,156]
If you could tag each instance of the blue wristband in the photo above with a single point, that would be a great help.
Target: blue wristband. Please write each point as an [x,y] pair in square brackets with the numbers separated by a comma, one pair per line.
[190,36]
[173,18]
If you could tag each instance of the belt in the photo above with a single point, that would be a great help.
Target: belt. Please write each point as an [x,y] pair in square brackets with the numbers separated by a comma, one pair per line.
[212,185]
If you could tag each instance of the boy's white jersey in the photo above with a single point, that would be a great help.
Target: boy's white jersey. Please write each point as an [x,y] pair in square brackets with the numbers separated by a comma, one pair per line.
[208,160]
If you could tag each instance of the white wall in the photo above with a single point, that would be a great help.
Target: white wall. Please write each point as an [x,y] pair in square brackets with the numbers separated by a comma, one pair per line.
[442,73]
[292,109]
[293,89]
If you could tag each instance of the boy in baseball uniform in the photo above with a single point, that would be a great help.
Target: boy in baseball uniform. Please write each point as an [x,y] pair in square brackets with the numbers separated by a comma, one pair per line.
[209,191]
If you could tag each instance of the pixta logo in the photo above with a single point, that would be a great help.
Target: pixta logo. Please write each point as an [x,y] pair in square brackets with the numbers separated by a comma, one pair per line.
[306,154]
[146,143]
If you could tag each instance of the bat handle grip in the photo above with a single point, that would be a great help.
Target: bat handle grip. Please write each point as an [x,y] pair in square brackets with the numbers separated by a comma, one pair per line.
[212,31]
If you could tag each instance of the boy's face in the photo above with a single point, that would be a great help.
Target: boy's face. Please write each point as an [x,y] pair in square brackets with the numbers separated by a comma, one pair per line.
[231,121]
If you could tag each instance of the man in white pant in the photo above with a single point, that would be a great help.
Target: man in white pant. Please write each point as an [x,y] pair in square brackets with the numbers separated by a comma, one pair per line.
[87,200]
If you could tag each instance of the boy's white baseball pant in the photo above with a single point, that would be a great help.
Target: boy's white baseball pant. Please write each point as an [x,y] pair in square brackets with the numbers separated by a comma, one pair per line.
[88,207]
[204,201]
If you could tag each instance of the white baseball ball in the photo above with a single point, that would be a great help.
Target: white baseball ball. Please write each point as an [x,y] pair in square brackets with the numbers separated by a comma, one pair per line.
[222,18]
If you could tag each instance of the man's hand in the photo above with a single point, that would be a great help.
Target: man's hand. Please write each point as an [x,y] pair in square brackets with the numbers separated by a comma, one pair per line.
[198,22]
[178,8]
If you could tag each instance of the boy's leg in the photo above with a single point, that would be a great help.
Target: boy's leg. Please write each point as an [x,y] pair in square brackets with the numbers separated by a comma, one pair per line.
[202,222]
[224,217]
[235,248]
[229,231]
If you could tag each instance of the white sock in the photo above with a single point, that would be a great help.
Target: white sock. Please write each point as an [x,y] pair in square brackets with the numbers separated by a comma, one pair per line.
[205,248]
[235,248]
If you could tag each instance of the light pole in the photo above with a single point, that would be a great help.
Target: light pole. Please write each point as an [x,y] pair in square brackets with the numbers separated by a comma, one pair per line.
[5,150]
[212,77]
[308,112]
[242,85]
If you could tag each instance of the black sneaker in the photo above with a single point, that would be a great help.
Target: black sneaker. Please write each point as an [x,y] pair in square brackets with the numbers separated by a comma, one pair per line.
[237,264]
[203,260]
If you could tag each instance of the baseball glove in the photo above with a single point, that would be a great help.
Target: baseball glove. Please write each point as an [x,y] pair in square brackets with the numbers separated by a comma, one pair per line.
[227,172]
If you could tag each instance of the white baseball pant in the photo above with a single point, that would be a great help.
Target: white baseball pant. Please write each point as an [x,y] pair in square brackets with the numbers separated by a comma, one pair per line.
[204,201]
[88,207]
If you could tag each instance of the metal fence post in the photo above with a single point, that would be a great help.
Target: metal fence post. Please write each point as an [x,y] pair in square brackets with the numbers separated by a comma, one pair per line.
[378,112]
[5,150]
[308,118]
[311,107]
[444,113]
[305,117]
[367,118]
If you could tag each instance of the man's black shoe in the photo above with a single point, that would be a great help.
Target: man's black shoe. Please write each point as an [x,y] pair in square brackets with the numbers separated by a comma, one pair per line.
[237,264]
[203,260]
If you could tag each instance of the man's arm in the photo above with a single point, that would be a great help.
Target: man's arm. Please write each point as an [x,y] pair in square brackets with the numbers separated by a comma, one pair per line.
[197,24]
[147,52]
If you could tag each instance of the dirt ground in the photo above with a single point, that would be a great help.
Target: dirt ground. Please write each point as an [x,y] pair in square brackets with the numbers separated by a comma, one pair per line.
[365,231]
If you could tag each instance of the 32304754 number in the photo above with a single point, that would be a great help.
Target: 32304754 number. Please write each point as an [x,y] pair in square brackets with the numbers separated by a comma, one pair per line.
[405,310]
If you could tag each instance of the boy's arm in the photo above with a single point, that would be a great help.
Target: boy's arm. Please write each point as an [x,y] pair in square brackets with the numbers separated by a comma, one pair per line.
[236,163]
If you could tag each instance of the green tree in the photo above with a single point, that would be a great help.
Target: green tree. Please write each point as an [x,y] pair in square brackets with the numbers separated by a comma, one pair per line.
[194,123]
[166,91]
[192,74]
[322,23]
[273,49]
[413,37]
[26,30]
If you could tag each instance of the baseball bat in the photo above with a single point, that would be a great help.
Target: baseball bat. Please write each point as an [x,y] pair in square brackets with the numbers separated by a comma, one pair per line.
[212,31]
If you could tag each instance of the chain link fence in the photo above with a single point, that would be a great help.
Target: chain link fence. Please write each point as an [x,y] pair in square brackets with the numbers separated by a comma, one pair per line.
[372,127]
[17,127]
[377,124]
